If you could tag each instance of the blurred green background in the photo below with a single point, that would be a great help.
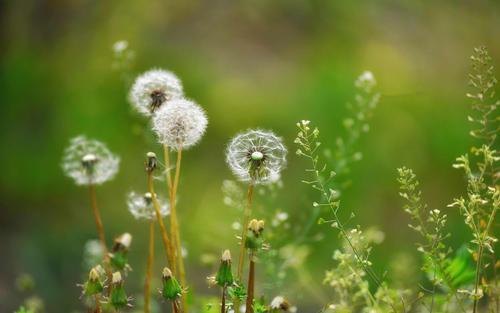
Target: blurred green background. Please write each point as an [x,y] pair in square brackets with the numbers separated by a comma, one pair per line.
[249,64]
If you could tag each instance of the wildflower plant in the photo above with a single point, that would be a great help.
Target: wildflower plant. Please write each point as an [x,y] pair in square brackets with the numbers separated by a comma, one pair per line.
[256,158]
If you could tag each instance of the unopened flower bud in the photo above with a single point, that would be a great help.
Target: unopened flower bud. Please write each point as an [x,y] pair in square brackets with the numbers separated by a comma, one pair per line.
[93,285]
[224,275]
[120,250]
[253,240]
[118,297]
[280,303]
[171,287]
[151,161]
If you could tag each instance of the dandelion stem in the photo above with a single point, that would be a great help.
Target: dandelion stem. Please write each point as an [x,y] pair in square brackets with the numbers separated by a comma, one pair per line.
[223,300]
[100,230]
[251,285]
[97,217]
[97,303]
[174,225]
[166,242]
[149,268]
[246,219]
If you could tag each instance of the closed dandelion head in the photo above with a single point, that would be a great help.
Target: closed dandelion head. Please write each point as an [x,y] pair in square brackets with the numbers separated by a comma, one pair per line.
[280,303]
[89,161]
[154,87]
[256,156]
[141,206]
[180,123]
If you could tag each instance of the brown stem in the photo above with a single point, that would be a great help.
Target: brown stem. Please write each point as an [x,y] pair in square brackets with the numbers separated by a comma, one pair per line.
[223,300]
[98,221]
[97,303]
[100,230]
[164,236]
[251,285]
[246,219]
[149,267]
[175,228]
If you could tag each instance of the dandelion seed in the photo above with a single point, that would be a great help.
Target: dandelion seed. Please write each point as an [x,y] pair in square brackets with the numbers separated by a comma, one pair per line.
[141,206]
[154,87]
[180,123]
[120,46]
[89,161]
[256,156]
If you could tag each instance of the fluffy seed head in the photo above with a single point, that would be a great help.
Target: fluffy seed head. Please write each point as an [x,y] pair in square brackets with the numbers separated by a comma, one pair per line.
[180,122]
[89,161]
[154,87]
[256,156]
[141,206]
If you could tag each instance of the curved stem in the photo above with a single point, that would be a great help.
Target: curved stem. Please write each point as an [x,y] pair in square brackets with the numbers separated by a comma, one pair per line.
[164,236]
[149,268]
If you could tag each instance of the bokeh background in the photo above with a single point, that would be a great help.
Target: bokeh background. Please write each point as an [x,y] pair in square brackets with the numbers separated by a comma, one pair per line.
[249,64]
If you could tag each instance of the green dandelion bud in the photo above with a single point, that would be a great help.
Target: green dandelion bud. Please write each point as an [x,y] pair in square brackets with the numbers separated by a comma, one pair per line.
[224,275]
[253,240]
[94,284]
[118,297]
[171,288]
[120,248]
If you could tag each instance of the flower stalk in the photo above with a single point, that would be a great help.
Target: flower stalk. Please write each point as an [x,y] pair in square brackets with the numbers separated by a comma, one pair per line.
[149,268]
[151,164]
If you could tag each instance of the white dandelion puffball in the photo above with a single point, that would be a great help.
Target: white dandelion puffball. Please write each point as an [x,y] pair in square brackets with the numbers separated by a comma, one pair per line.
[256,156]
[154,87]
[141,206]
[89,161]
[179,123]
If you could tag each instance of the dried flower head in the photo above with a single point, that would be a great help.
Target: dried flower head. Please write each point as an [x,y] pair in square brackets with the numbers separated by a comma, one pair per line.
[89,161]
[141,206]
[256,156]
[180,123]
[154,87]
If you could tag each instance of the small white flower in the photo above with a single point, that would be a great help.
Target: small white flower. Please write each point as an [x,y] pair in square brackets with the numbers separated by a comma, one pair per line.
[154,87]
[89,161]
[180,122]
[256,156]
[120,46]
[366,81]
[141,206]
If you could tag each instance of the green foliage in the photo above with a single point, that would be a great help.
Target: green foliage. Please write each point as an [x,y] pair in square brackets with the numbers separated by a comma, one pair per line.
[23,310]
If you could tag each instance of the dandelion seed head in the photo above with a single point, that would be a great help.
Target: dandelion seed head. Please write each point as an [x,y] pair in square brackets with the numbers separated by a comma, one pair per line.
[89,161]
[153,88]
[180,122]
[256,156]
[141,206]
